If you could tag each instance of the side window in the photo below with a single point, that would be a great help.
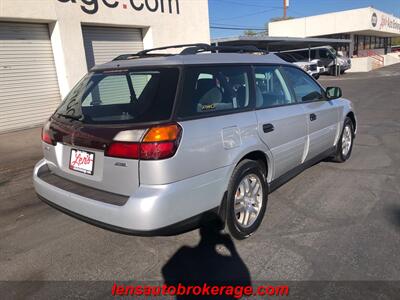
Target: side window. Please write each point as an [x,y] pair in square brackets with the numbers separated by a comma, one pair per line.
[325,53]
[304,87]
[304,54]
[313,54]
[271,89]
[214,89]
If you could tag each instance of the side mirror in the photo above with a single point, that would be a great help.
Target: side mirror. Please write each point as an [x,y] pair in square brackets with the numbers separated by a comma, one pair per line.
[333,92]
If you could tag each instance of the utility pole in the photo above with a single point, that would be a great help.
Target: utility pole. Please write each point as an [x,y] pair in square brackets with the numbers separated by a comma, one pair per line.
[284,9]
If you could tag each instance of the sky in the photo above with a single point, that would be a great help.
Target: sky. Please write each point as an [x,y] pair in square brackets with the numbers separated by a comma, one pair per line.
[254,14]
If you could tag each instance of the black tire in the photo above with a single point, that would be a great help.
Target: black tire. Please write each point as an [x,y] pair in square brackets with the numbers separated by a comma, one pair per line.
[339,156]
[244,168]
[316,76]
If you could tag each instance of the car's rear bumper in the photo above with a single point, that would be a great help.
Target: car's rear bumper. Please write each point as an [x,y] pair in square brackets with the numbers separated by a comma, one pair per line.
[151,210]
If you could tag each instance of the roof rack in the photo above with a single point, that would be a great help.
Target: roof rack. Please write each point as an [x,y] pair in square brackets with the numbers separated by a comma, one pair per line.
[192,49]
[136,55]
[222,49]
[145,53]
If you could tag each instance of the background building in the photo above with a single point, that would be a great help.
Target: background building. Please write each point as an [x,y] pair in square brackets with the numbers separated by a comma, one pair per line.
[367,28]
[46,46]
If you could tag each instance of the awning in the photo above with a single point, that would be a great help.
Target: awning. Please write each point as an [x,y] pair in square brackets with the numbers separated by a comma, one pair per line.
[274,44]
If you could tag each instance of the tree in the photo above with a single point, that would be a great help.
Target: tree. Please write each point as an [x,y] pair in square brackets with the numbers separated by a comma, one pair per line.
[396,41]
[250,32]
[276,19]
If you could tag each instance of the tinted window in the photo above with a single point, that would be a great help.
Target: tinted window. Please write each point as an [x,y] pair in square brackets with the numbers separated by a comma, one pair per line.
[304,87]
[271,89]
[304,54]
[313,54]
[325,53]
[122,96]
[110,90]
[214,89]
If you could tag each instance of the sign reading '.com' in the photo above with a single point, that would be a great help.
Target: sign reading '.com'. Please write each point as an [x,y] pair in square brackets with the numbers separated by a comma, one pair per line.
[164,6]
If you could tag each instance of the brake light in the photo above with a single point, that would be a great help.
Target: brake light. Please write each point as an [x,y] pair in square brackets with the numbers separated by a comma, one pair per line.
[159,142]
[124,150]
[46,136]
[153,151]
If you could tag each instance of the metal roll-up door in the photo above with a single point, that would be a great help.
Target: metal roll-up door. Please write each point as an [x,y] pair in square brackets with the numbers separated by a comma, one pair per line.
[29,91]
[102,44]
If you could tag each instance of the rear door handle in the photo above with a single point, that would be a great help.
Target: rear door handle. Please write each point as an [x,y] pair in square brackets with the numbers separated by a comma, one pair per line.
[268,127]
[313,117]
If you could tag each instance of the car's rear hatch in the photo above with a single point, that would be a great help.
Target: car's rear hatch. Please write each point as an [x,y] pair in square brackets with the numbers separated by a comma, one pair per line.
[74,142]
[98,109]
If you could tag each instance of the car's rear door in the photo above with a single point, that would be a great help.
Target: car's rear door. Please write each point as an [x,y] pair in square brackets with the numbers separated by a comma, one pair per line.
[322,115]
[216,113]
[282,123]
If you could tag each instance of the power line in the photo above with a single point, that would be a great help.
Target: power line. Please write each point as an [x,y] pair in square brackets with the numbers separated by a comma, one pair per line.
[239,3]
[230,25]
[251,14]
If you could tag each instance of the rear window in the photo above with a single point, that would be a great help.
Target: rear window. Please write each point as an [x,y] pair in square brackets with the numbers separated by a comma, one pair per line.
[215,89]
[122,97]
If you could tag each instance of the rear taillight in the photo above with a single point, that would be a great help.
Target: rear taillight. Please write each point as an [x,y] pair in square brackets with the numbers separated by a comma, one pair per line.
[123,150]
[151,151]
[46,136]
[158,142]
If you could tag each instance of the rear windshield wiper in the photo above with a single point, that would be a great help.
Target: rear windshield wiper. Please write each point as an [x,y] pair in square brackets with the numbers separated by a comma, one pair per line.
[76,118]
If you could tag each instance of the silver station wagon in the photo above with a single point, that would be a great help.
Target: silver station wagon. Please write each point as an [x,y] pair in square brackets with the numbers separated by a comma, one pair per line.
[150,143]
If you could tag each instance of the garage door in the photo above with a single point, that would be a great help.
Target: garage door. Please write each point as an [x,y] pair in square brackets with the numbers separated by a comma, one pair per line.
[102,44]
[29,91]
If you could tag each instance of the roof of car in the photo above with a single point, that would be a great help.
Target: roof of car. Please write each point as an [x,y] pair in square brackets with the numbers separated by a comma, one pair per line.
[192,59]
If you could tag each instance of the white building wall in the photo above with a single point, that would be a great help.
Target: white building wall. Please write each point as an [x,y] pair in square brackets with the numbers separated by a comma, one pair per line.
[65,18]
[391,58]
[356,20]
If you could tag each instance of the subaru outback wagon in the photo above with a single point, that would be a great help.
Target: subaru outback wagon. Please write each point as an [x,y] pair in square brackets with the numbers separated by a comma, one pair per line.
[149,143]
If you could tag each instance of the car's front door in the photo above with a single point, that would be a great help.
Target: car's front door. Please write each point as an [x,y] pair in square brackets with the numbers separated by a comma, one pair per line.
[282,123]
[322,115]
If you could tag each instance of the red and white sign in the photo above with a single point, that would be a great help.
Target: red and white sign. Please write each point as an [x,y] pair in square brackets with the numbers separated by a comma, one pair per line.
[82,161]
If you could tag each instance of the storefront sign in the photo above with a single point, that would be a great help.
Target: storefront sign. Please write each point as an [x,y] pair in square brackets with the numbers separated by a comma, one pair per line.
[374,19]
[390,23]
[164,6]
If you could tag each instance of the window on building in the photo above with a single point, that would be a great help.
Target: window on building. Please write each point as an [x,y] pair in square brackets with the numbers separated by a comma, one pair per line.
[367,42]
